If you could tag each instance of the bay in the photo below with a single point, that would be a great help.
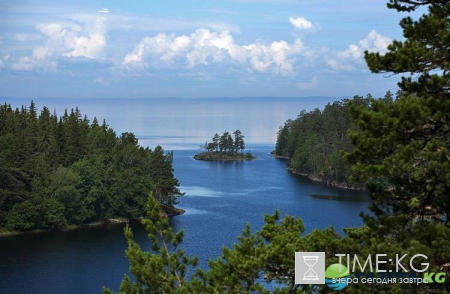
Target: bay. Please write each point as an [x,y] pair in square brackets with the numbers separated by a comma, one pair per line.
[221,197]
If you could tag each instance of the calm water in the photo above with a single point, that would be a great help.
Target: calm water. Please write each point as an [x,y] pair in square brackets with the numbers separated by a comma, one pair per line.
[220,198]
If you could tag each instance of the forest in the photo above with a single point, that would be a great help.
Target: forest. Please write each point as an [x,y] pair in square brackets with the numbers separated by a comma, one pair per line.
[57,172]
[315,141]
[400,148]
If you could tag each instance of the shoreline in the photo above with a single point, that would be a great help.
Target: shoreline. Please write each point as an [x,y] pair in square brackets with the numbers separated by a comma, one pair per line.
[317,179]
[280,157]
[274,155]
[323,181]
[112,221]
[68,228]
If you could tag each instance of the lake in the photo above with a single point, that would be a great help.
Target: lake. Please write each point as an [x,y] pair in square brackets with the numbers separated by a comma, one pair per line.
[221,197]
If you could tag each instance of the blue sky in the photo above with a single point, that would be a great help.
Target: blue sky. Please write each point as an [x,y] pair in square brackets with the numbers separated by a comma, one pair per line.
[232,48]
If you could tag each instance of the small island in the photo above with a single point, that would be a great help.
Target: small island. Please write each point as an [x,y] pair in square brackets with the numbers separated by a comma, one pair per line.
[225,148]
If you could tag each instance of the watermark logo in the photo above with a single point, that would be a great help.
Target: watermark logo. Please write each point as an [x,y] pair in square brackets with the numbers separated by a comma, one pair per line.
[310,267]
[336,276]
[374,269]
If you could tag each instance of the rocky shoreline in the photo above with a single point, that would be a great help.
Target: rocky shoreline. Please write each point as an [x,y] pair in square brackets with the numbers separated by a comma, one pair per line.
[317,179]
[274,154]
[324,181]
[169,211]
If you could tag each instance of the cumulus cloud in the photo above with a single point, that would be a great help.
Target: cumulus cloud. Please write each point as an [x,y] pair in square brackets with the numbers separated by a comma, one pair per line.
[64,40]
[301,23]
[348,59]
[72,40]
[336,65]
[374,42]
[204,46]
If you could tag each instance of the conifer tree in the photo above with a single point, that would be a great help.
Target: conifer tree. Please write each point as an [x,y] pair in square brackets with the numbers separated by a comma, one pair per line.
[402,150]
[165,268]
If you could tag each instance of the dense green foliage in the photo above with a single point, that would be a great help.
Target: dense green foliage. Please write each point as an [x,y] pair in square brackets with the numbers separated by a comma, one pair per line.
[226,143]
[314,141]
[225,148]
[163,272]
[401,150]
[64,171]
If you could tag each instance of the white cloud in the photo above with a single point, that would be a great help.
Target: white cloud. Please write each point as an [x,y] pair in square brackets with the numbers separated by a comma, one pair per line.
[374,42]
[335,65]
[301,23]
[64,40]
[204,46]
[348,59]
[308,85]
[103,10]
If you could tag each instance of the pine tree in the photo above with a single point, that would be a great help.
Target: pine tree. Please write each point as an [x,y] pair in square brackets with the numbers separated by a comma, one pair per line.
[239,144]
[164,184]
[165,268]
[215,142]
[402,150]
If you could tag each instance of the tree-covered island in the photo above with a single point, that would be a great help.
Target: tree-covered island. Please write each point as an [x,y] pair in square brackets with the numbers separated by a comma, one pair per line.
[225,148]
[66,171]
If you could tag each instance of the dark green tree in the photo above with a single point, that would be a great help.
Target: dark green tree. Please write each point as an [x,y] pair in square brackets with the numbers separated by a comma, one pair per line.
[223,142]
[230,143]
[239,144]
[165,186]
[215,142]
[282,139]
[52,214]
[23,217]
[402,149]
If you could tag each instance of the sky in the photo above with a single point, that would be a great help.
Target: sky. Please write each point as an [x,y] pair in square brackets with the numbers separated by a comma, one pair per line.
[193,49]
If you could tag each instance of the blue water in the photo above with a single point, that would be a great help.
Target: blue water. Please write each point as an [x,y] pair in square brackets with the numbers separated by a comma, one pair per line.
[221,197]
